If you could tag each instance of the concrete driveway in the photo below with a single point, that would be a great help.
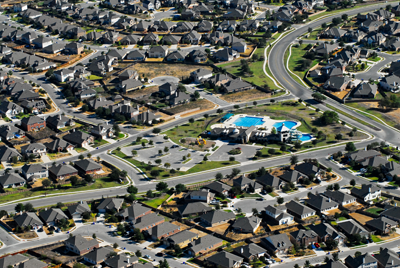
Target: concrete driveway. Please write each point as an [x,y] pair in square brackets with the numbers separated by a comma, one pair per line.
[248,152]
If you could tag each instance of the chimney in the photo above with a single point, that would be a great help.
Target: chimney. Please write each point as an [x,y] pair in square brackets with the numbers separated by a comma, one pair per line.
[60,116]
[129,260]
[45,209]
[241,250]
[329,199]
[369,189]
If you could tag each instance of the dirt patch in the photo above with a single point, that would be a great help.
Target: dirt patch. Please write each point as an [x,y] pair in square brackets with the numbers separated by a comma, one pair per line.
[390,115]
[249,50]
[58,253]
[388,237]
[360,217]
[239,236]
[198,232]
[245,96]
[333,212]
[198,145]
[143,92]
[41,134]
[202,104]
[183,226]
[354,206]
[274,228]
[27,235]
[220,229]
[163,69]
[341,94]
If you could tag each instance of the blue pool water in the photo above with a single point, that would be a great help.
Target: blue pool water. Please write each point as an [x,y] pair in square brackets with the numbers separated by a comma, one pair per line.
[306,137]
[248,121]
[288,124]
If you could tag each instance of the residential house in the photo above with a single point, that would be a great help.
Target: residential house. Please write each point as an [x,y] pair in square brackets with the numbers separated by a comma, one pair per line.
[333,264]
[51,216]
[365,260]
[110,204]
[387,258]
[218,188]
[176,56]
[129,85]
[204,26]
[279,243]
[134,212]
[138,55]
[98,255]
[367,193]
[28,219]
[146,117]
[9,132]
[362,155]
[79,138]
[74,48]
[62,171]
[128,74]
[181,239]
[246,184]
[333,33]
[56,122]
[327,232]
[37,149]
[269,180]
[246,224]
[325,49]
[12,180]
[33,123]
[58,145]
[158,52]
[250,252]
[80,245]
[103,130]
[170,39]
[216,217]
[193,209]
[304,237]
[34,106]
[292,176]
[340,197]
[131,39]
[279,215]
[13,260]
[365,90]
[25,95]
[374,39]
[226,54]
[351,227]
[201,74]
[224,259]
[42,42]
[192,37]
[236,85]
[202,195]
[163,230]
[147,221]
[121,261]
[150,39]
[299,210]
[88,166]
[78,209]
[6,154]
[382,225]
[20,7]
[392,213]
[388,83]
[204,244]
[321,203]
[337,83]
[183,27]
[10,109]
[34,171]
[308,169]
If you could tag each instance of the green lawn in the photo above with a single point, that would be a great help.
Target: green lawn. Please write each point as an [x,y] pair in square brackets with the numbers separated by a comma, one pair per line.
[66,188]
[98,143]
[374,210]
[375,59]
[120,136]
[258,78]
[156,201]
[80,150]
[95,77]
[349,116]
[295,61]
[313,34]
[342,219]
[375,238]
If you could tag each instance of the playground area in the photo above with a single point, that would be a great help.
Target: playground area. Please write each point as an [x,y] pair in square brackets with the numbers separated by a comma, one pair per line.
[198,144]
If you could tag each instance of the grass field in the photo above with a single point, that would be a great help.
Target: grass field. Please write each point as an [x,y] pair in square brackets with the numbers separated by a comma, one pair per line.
[313,34]
[295,61]
[98,143]
[66,188]
[203,104]
[374,210]
[349,116]
[163,69]
[258,78]
[157,201]
[376,238]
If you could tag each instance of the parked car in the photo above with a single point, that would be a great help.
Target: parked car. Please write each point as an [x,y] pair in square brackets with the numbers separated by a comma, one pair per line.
[160,254]
[260,199]
[147,256]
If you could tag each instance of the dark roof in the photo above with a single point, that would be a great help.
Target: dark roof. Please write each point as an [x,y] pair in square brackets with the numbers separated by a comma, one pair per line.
[356,262]
[365,190]
[217,187]
[362,154]
[268,179]
[298,208]
[393,212]
[121,260]
[224,259]
[215,216]
[7,153]
[246,224]
[99,254]
[183,236]
[325,229]
[27,219]
[134,211]
[193,208]
[388,258]
[55,144]
[164,228]
[307,169]
[76,137]
[33,168]
[111,203]
[32,120]
[12,260]
[381,223]
[299,234]
[79,208]
[204,242]
[12,178]
[320,202]
[249,250]
[87,164]
[291,176]
[351,227]
[333,264]
[81,243]
[33,263]
[338,196]
[278,242]
[62,170]
[52,214]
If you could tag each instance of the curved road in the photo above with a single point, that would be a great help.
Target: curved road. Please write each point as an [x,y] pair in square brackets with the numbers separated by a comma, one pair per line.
[279,71]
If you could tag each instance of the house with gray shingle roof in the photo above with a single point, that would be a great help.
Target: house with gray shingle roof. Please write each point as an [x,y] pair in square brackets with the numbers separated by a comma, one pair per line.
[87,166]
[361,261]
[12,180]
[79,138]
[216,217]
[387,258]
[80,245]
[182,239]
[250,252]
[110,204]
[34,171]
[304,237]
[247,184]
[77,210]
[218,187]
[280,216]
[351,227]
[135,211]
[367,193]
[246,224]
[33,263]
[225,259]
[340,197]
[382,225]
[193,209]
[13,260]
[98,255]
[52,216]
[204,244]
[299,210]
[121,261]
[236,85]
[28,219]
[6,154]
[163,230]
[321,203]
[58,145]
[148,221]
[269,180]
[279,243]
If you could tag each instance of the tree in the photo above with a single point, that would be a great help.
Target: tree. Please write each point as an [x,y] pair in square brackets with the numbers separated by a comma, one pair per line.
[350,147]
[132,189]
[218,176]
[115,245]
[180,188]
[329,117]
[94,236]
[156,130]
[150,194]
[19,207]
[162,186]
[338,136]
[254,211]
[166,149]
[3,213]
[205,158]
[191,120]
[294,159]
[336,187]
[138,253]
[46,183]
[353,182]
[178,250]
[167,165]
[29,207]
[335,256]
[357,254]
[74,180]
[235,172]
[81,157]
[280,200]
[155,173]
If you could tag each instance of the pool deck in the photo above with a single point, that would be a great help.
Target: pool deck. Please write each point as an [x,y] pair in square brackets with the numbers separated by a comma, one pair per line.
[267,124]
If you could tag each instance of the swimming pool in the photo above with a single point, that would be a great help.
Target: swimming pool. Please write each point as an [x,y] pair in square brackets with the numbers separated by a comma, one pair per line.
[288,124]
[248,121]
[306,137]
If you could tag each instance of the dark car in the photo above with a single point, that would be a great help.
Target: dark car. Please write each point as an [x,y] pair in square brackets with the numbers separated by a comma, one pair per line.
[175,146]
[160,254]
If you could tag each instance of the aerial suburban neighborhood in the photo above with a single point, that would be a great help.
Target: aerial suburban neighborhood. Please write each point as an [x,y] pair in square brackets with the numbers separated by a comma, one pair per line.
[199,133]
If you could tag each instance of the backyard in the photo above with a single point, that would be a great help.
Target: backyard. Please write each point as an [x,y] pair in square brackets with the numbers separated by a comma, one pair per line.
[163,69]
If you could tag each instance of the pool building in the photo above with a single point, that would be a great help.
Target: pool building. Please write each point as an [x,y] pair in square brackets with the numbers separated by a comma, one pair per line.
[242,128]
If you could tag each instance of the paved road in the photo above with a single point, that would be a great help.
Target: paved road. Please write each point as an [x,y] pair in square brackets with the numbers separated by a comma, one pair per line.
[277,66]
[373,72]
